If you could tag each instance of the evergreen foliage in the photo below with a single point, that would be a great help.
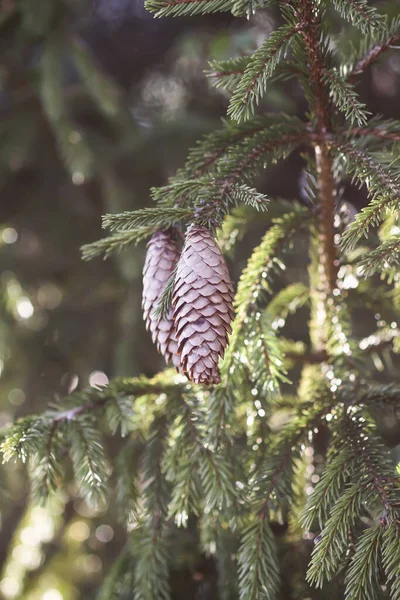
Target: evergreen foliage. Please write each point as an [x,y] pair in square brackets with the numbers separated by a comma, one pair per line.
[286,455]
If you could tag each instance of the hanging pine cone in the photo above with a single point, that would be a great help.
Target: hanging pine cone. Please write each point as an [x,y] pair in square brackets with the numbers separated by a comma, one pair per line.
[161,259]
[202,306]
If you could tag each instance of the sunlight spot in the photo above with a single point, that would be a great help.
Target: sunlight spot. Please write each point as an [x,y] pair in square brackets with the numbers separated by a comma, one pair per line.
[79,531]
[78,178]
[98,379]
[104,533]
[24,307]
[10,587]
[9,235]
[52,594]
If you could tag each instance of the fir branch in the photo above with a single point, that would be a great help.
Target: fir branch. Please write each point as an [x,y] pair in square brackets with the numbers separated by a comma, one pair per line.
[149,540]
[226,74]
[165,301]
[209,198]
[268,147]
[214,146]
[371,48]
[383,186]
[345,98]
[338,470]
[333,541]
[273,488]
[376,129]
[265,360]
[257,562]
[374,460]
[385,257]
[89,462]
[178,8]
[151,572]
[252,85]
[25,438]
[235,151]
[116,242]
[261,266]
[362,577]
[361,15]
[316,51]
[287,301]
[127,487]
[391,557]
[369,393]
[221,403]
[161,217]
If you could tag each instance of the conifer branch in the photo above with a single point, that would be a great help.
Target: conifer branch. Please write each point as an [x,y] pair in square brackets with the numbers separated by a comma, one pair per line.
[385,257]
[391,558]
[226,74]
[330,548]
[161,217]
[360,15]
[324,164]
[260,267]
[383,186]
[178,8]
[345,98]
[362,578]
[375,462]
[258,551]
[149,540]
[376,132]
[371,49]
[252,85]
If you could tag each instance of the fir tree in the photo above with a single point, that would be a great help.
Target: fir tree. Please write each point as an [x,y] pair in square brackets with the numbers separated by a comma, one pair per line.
[310,507]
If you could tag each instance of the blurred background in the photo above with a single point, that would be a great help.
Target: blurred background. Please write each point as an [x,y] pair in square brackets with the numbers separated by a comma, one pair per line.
[99,102]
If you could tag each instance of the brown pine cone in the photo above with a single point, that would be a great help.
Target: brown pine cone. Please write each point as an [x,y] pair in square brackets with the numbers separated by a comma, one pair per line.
[161,259]
[202,306]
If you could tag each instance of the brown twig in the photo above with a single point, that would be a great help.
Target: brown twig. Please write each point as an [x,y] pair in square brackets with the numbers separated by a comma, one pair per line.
[372,55]
[327,252]
[375,132]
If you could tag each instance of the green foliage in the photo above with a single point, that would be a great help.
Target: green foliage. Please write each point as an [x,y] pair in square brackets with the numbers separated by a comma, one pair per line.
[345,98]
[381,175]
[253,84]
[372,46]
[391,555]
[161,8]
[226,74]
[286,449]
[385,257]
[179,8]
[257,549]
[363,573]
[360,14]
[88,460]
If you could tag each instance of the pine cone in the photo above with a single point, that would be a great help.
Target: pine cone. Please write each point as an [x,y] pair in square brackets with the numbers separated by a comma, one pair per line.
[202,306]
[161,259]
